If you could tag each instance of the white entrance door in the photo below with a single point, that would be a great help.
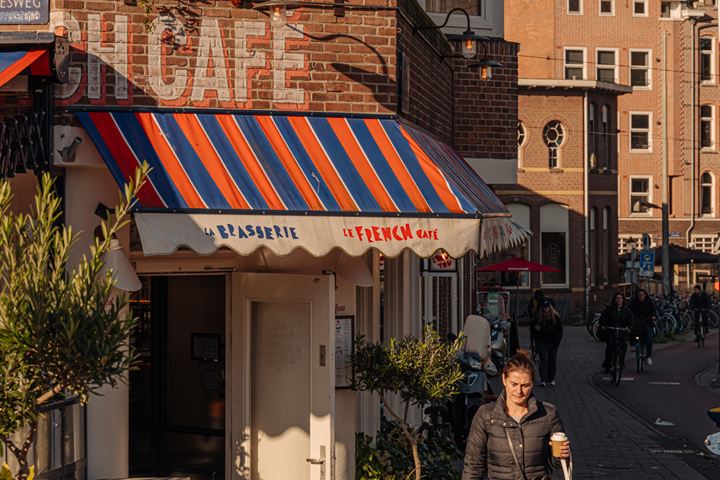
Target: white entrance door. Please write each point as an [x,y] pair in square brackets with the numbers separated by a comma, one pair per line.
[282,377]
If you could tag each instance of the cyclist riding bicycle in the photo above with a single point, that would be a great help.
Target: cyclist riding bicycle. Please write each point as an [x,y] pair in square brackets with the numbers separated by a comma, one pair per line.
[700,304]
[616,315]
[644,316]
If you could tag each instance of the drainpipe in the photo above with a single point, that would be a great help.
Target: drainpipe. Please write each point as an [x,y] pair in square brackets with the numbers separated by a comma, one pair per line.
[586,202]
[693,126]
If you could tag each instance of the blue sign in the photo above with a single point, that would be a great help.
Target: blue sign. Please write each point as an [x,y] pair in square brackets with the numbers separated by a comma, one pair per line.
[647,263]
[20,12]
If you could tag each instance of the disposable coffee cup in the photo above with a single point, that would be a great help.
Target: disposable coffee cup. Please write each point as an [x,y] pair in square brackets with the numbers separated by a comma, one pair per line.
[557,440]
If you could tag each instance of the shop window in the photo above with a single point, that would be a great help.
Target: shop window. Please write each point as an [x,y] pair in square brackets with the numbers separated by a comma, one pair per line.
[607,7]
[640,68]
[640,195]
[574,7]
[640,131]
[574,64]
[606,69]
[707,127]
[640,8]
[553,243]
[707,203]
[707,64]
[553,135]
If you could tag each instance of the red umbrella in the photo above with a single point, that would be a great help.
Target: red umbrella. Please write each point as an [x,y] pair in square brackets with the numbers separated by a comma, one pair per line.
[518,265]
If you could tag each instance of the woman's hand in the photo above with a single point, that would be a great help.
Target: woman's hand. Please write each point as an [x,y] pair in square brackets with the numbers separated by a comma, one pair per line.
[565,450]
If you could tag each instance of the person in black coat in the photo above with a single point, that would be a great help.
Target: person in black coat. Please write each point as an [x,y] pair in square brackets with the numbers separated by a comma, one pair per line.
[700,303]
[546,330]
[644,316]
[616,315]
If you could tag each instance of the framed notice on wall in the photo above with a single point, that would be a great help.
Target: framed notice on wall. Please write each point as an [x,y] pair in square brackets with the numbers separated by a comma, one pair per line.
[21,12]
[344,346]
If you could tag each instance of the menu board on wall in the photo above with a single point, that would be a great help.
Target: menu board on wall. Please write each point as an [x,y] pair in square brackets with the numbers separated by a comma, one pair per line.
[21,12]
[344,344]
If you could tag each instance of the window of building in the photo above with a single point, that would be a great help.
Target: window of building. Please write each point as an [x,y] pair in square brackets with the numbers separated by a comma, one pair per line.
[574,7]
[472,7]
[605,245]
[640,68]
[640,195]
[707,65]
[605,144]
[554,248]
[520,134]
[707,126]
[607,7]
[705,243]
[592,136]
[707,203]
[640,8]
[592,245]
[553,135]
[665,9]
[574,63]
[640,132]
[628,242]
[606,69]
[521,216]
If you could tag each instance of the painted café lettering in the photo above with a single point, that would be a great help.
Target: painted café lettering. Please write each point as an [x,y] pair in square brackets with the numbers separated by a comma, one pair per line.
[256,49]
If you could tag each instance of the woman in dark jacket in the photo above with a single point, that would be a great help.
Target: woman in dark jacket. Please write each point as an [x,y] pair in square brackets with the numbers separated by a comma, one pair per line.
[644,316]
[509,439]
[546,330]
[616,315]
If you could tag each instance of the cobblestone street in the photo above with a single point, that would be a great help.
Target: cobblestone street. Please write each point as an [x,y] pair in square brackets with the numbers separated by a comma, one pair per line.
[607,440]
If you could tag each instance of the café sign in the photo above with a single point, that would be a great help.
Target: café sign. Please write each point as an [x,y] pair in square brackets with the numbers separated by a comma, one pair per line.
[24,12]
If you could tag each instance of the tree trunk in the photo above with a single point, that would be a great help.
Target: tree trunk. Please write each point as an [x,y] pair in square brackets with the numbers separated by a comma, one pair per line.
[416,459]
[409,435]
[21,452]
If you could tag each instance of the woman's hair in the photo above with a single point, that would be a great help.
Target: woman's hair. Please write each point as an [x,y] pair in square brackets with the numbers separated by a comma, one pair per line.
[641,290]
[621,296]
[521,361]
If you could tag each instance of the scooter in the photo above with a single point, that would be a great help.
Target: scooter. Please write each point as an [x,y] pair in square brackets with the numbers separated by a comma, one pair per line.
[474,389]
[499,342]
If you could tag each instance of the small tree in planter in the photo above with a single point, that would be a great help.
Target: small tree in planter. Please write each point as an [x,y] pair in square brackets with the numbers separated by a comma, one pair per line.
[420,371]
[62,329]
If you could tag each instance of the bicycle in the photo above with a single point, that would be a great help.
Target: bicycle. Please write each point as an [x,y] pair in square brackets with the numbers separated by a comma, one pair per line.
[640,353]
[617,353]
[700,329]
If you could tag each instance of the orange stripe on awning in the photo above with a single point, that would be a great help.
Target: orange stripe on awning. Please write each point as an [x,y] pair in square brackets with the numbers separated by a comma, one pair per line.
[16,68]
[435,175]
[289,162]
[250,162]
[213,163]
[397,165]
[322,162]
[171,163]
[361,163]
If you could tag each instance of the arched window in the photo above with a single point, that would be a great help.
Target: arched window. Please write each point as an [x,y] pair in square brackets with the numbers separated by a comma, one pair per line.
[592,245]
[605,242]
[707,204]
[605,145]
[592,136]
[520,134]
[553,135]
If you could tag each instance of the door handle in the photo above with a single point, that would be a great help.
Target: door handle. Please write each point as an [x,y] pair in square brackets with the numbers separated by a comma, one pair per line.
[315,461]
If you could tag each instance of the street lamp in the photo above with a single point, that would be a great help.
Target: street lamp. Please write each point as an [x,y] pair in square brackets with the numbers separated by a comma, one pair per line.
[468,39]
[486,68]
[277,10]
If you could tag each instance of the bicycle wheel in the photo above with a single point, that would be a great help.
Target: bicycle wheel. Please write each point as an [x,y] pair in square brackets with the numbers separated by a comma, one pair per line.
[699,337]
[712,318]
[640,356]
[617,367]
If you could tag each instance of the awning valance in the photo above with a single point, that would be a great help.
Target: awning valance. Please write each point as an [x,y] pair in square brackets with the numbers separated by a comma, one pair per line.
[250,181]
[13,63]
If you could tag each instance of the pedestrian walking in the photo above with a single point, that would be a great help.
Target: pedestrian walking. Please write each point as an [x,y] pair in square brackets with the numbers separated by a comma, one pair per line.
[546,332]
[535,304]
[510,438]
[644,316]
[616,315]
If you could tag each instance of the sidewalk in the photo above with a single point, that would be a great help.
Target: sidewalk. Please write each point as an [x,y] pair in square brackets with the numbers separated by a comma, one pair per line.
[608,442]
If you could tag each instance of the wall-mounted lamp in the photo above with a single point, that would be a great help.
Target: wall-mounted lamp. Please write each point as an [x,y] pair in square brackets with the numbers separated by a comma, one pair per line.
[277,9]
[468,39]
[487,68]
[67,154]
[121,270]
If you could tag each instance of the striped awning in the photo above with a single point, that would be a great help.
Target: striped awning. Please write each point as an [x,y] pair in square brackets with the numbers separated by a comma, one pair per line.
[370,174]
[14,63]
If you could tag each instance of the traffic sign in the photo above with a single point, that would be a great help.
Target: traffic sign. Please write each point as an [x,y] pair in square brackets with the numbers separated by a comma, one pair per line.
[647,263]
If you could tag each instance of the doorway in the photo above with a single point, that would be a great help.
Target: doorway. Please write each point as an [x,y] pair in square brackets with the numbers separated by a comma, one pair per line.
[177,392]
